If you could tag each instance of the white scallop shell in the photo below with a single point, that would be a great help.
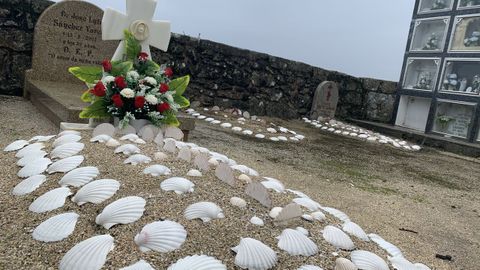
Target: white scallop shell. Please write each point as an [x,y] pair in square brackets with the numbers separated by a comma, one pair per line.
[194,173]
[238,202]
[260,136]
[29,149]
[275,212]
[70,138]
[127,149]
[274,184]
[101,138]
[198,262]
[51,200]
[157,170]
[309,267]
[255,255]
[130,137]
[42,138]
[179,185]
[29,185]
[245,178]
[302,230]
[89,254]
[215,122]
[161,236]
[66,164]
[69,132]
[226,125]
[298,193]
[170,145]
[400,263]
[337,238]
[96,192]
[344,264]
[79,177]
[137,159]
[308,217]
[246,170]
[140,265]
[205,211]
[174,132]
[31,157]
[355,230]
[387,246]
[274,139]
[271,130]
[113,143]
[37,166]
[122,211]
[307,203]
[140,141]
[336,213]
[16,145]
[318,216]
[296,243]
[257,221]
[282,138]
[56,228]
[160,156]
[185,154]
[366,260]
[237,129]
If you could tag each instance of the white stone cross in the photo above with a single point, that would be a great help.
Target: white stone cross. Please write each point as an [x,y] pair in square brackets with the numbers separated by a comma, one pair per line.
[139,20]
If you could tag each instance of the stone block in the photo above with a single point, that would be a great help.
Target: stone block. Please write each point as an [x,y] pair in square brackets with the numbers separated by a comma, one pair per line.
[371,84]
[380,107]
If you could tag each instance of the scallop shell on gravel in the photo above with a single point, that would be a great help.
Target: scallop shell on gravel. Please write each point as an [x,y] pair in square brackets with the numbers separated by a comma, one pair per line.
[275,212]
[69,132]
[89,254]
[157,170]
[337,238]
[28,150]
[245,170]
[205,211]
[336,213]
[344,264]
[67,150]
[366,260]
[194,173]
[96,192]
[245,178]
[296,243]
[309,267]
[42,138]
[56,228]
[302,230]
[355,230]
[307,203]
[272,183]
[69,138]
[66,164]
[140,265]
[130,137]
[79,176]
[16,145]
[51,200]
[137,159]
[253,254]
[393,250]
[198,262]
[38,166]
[318,216]
[29,185]
[31,158]
[179,185]
[257,221]
[238,202]
[113,143]
[101,138]
[122,211]
[127,149]
[161,236]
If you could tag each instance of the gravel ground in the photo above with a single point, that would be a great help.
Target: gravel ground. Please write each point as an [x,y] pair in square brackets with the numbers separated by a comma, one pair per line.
[382,189]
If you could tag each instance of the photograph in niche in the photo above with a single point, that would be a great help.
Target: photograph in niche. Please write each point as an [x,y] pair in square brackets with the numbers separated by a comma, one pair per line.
[466,35]
[427,6]
[469,3]
[461,77]
[454,119]
[421,73]
[429,35]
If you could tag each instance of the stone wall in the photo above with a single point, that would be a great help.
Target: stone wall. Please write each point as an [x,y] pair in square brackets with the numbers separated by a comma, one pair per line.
[221,75]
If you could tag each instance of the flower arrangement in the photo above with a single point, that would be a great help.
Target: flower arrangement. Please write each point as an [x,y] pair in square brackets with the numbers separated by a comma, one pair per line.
[473,40]
[444,120]
[137,88]
[432,42]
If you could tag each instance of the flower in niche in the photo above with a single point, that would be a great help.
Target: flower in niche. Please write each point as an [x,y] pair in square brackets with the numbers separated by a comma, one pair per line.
[150,81]
[117,100]
[99,89]
[163,107]
[120,82]
[164,88]
[128,93]
[139,102]
[132,75]
[107,65]
[108,79]
[151,99]
[143,56]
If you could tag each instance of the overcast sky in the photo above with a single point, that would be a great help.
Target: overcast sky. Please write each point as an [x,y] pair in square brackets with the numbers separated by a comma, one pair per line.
[365,38]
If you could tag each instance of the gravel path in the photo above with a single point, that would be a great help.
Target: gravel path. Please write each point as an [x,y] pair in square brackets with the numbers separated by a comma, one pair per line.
[385,190]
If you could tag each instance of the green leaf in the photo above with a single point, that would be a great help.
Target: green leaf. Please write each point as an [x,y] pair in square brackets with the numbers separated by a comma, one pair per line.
[181,100]
[87,96]
[132,46]
[151,68]
[121,68]
[179,85]
[98,109]
[87,74]
[171,119]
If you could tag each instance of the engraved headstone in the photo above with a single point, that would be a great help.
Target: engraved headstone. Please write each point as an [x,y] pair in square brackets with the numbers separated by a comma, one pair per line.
[258,192]
[225,174]
[288,213]
[185,154]
[170,146]
[201,161]
[325,100]
[159,140]
[104,129]
[148,134]
[174,132]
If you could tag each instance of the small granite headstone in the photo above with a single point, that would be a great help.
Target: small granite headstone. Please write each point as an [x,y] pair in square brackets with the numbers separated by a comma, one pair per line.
[225,174]
[289,212]
[325,101]
[104,129]
[258,192]
[201,162]
[185,154]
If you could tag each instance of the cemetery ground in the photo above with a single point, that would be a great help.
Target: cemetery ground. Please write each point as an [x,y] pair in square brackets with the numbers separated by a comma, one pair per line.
[425,202]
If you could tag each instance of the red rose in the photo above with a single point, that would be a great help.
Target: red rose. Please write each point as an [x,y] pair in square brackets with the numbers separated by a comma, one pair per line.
[139,102]
[164,88]
[98,90]
[107,65]
[168,72]
[117,100]
[143,56]
[120,82]
[163,107]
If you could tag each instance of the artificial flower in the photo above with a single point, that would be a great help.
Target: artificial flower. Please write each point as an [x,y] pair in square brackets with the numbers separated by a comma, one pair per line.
[107,65]
[168,72]
[128,93]
[163,107]
[108,79]
[117,100]
[143,56]
[151,99]
[120,82]
[99,89]
[132,75]
[150,81]
[139,102]
[164,88]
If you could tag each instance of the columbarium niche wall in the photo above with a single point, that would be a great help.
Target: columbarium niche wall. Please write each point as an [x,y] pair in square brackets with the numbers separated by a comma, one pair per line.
[430,6]
[461,76]
[421,73]
[454,118]
[413,112]
[429,34]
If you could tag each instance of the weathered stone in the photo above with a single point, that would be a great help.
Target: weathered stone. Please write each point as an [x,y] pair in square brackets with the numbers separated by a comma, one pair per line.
[325,100]
[380,107]
[16,39]
[388,87]
[371,84]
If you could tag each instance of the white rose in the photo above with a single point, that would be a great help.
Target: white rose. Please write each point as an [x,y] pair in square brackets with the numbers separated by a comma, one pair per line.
[151,99]
[151,81]
[108,79]
[128,93]
[133,75]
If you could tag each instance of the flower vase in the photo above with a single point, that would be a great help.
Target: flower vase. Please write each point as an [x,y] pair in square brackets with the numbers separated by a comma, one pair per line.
[137,124]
